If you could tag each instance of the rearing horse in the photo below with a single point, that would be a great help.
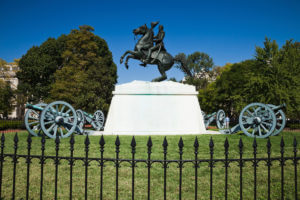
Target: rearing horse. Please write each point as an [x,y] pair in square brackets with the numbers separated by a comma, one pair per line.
[161,57]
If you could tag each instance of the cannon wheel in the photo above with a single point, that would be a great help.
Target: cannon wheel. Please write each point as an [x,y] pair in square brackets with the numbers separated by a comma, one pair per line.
[280,120]
[32,120]
[80,120]
[98,120]
[257,120]
[220,119]
[60,118]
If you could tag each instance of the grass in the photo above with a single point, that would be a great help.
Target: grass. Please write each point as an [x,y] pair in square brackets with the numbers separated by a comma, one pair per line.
[156,170]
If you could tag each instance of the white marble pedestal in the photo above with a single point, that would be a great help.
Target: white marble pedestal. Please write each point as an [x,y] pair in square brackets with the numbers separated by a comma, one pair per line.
[154,108]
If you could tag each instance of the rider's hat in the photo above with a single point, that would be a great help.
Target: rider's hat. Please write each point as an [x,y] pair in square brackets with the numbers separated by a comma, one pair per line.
[153,24]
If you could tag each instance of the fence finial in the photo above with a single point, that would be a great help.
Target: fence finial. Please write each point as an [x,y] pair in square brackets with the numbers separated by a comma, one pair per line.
[226,144]
[196,143]
[72,140]
[282,142]
[165,143]
[102,141]
[133,143]
[2,140]
[211,143]
[149,143]
[117,142]
[241,144]
[269,145]
[87,141]
[180,143]
[295,143]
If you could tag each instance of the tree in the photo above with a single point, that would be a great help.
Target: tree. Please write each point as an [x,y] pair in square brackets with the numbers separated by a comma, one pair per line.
[272,77]
[196,68]
[37,68]
[6,98]
[88,75]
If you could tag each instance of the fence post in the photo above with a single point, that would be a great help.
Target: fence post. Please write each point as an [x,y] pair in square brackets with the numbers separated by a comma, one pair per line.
[269,164]
[255,165]
[133,145]
[42,162]
[165,165]
[28,161]
[71,163]
[180,145]
[226,147]
[282,163]
[295,166]
[86,163]
[56,162]
[149,145]
[15,161]
[1,162]
[196,166]
[102,143]
[117,143]
[211,165]
[241,165]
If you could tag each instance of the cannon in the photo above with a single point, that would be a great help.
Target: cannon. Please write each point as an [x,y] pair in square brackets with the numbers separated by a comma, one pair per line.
[259,120]
[56,118]
[96,120]
[218,116]
[32,118]
[59,118]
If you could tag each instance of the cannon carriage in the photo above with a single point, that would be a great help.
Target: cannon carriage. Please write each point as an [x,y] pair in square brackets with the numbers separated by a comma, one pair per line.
[219,116]
[259,120]
[59,118]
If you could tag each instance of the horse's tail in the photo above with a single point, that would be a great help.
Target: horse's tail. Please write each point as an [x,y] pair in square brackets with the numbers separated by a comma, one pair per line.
[182,65]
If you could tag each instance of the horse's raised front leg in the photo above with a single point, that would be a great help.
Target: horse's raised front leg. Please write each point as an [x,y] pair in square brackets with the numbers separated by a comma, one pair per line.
[127,58]
[123,56]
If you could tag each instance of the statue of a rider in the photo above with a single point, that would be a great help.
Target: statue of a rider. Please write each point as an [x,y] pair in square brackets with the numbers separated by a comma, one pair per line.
[159,44]
[150,49]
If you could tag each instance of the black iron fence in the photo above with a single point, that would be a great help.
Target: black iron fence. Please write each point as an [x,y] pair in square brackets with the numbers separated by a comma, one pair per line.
[211,162]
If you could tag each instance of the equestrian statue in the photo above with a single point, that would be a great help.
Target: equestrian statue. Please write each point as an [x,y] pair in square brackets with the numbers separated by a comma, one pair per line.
[148,53]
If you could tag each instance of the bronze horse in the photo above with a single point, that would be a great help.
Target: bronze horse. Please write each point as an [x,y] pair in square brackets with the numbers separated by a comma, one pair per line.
[159,57]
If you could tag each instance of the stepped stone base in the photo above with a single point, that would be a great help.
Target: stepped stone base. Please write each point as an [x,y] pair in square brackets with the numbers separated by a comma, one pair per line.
[154,108]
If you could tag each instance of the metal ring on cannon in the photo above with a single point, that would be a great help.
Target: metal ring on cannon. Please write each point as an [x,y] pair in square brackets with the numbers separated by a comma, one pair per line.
[280,119]
[60,118]
[80,121]
[220,118]
[32,119]
[257,120]
[98,120]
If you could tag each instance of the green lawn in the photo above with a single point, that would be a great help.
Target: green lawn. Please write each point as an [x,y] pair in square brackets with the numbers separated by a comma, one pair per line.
[156,170]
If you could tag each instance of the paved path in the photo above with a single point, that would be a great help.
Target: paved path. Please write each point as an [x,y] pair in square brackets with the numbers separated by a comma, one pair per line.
[98,133]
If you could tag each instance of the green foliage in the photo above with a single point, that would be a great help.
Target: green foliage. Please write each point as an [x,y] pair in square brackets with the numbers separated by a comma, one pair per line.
[77,68]
[88,75]
[273,77]
[196,68]
[2,62]
[6,98]
[11,124]
[37,68]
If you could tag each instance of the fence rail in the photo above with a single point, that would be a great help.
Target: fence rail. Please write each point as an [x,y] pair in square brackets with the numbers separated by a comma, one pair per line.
[165,162]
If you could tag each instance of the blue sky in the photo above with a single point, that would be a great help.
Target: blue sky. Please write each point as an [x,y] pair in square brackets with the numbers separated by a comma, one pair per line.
[226,30]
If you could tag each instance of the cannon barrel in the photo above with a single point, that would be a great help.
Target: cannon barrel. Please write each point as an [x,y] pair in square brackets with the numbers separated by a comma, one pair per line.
[33,107]
[88,115]
[210,115]
[276,108]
